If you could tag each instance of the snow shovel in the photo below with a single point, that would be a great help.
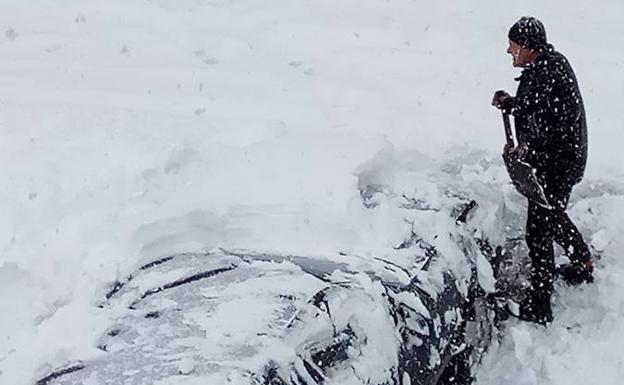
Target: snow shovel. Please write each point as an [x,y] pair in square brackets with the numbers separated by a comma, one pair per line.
[521,173]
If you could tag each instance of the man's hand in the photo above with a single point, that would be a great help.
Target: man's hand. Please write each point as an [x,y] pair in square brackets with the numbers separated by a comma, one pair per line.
[502,100]
[519,152]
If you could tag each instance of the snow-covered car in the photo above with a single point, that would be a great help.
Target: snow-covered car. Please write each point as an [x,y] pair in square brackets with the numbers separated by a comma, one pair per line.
[419,314]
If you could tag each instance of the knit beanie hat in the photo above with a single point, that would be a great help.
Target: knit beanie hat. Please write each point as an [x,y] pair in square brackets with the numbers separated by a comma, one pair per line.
[528,32]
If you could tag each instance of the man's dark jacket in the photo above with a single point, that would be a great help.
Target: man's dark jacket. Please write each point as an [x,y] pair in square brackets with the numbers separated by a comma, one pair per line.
[550,118]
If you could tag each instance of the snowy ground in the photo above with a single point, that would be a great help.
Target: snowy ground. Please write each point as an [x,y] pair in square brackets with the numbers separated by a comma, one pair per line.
[129,130]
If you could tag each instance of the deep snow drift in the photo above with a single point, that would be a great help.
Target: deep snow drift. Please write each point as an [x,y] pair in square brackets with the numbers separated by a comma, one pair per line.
[132,130]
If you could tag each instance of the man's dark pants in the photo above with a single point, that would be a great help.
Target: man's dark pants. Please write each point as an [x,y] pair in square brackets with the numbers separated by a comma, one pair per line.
[543,227]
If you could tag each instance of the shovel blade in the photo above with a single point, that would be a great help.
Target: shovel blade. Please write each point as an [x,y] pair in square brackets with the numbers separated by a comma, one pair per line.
[524,179]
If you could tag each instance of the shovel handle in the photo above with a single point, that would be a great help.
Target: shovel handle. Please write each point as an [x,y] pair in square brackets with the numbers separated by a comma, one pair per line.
[508,134]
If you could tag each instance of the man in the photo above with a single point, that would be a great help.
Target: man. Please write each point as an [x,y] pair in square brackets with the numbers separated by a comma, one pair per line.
[552,135]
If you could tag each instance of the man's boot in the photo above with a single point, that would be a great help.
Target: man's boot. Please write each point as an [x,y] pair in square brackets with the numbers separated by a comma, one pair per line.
[536,308]
[576,273]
